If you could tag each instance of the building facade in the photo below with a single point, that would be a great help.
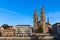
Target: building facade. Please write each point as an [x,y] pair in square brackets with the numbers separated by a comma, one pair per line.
[35,20]
[9,32]
[1,31]
[45,25]
[22,30]
[56,29]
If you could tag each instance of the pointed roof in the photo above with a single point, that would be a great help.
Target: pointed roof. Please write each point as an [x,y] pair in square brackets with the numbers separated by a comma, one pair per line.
[35,14]
[35,11]
[42,9]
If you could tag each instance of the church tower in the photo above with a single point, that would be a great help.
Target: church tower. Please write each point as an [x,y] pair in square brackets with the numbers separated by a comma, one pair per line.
[42,19]
[35,21]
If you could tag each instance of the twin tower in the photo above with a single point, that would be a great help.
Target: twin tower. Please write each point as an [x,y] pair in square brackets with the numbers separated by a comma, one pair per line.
[45,26]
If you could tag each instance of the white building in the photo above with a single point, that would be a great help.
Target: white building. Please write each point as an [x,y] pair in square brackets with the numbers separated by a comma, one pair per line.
[22,30]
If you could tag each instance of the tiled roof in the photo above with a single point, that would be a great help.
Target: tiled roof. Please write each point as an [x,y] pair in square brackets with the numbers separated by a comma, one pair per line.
[10,28]
[48,23]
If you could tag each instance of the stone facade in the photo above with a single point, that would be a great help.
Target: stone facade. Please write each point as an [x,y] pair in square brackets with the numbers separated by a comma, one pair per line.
[35,20]
[9,32]
[22,30]
[17,30]
[42,19]
[45,25]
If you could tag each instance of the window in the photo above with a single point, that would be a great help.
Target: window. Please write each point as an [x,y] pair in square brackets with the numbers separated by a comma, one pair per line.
[58,29]
[58,24]
[6,35]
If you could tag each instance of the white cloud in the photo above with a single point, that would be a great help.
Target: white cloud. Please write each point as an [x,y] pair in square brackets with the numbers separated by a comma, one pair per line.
[8,11]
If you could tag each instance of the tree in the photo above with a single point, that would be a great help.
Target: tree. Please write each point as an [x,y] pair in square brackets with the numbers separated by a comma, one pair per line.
[5,26]
[40,29]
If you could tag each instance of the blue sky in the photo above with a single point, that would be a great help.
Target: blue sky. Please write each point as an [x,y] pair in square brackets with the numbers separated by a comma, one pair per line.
[13,12]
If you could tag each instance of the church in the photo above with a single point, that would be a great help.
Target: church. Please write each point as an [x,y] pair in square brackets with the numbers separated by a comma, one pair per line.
[45,25]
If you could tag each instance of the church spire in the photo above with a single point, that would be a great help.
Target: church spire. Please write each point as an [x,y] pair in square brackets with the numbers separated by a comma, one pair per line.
[42,15]
[42,19]
[35,13]
[42,9]
[35,19]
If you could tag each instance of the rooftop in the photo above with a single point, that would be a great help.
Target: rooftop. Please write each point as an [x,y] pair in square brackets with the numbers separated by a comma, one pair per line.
[22,25]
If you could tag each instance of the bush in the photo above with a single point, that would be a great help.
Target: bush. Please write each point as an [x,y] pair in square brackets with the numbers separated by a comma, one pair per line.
[5,26]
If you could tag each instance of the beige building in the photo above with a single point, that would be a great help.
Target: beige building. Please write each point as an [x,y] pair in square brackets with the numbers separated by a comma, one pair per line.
[22,30]
[10,32]
[45,25]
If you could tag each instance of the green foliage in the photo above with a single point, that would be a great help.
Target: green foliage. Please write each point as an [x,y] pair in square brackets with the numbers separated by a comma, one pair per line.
[5,26]
[40,29]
